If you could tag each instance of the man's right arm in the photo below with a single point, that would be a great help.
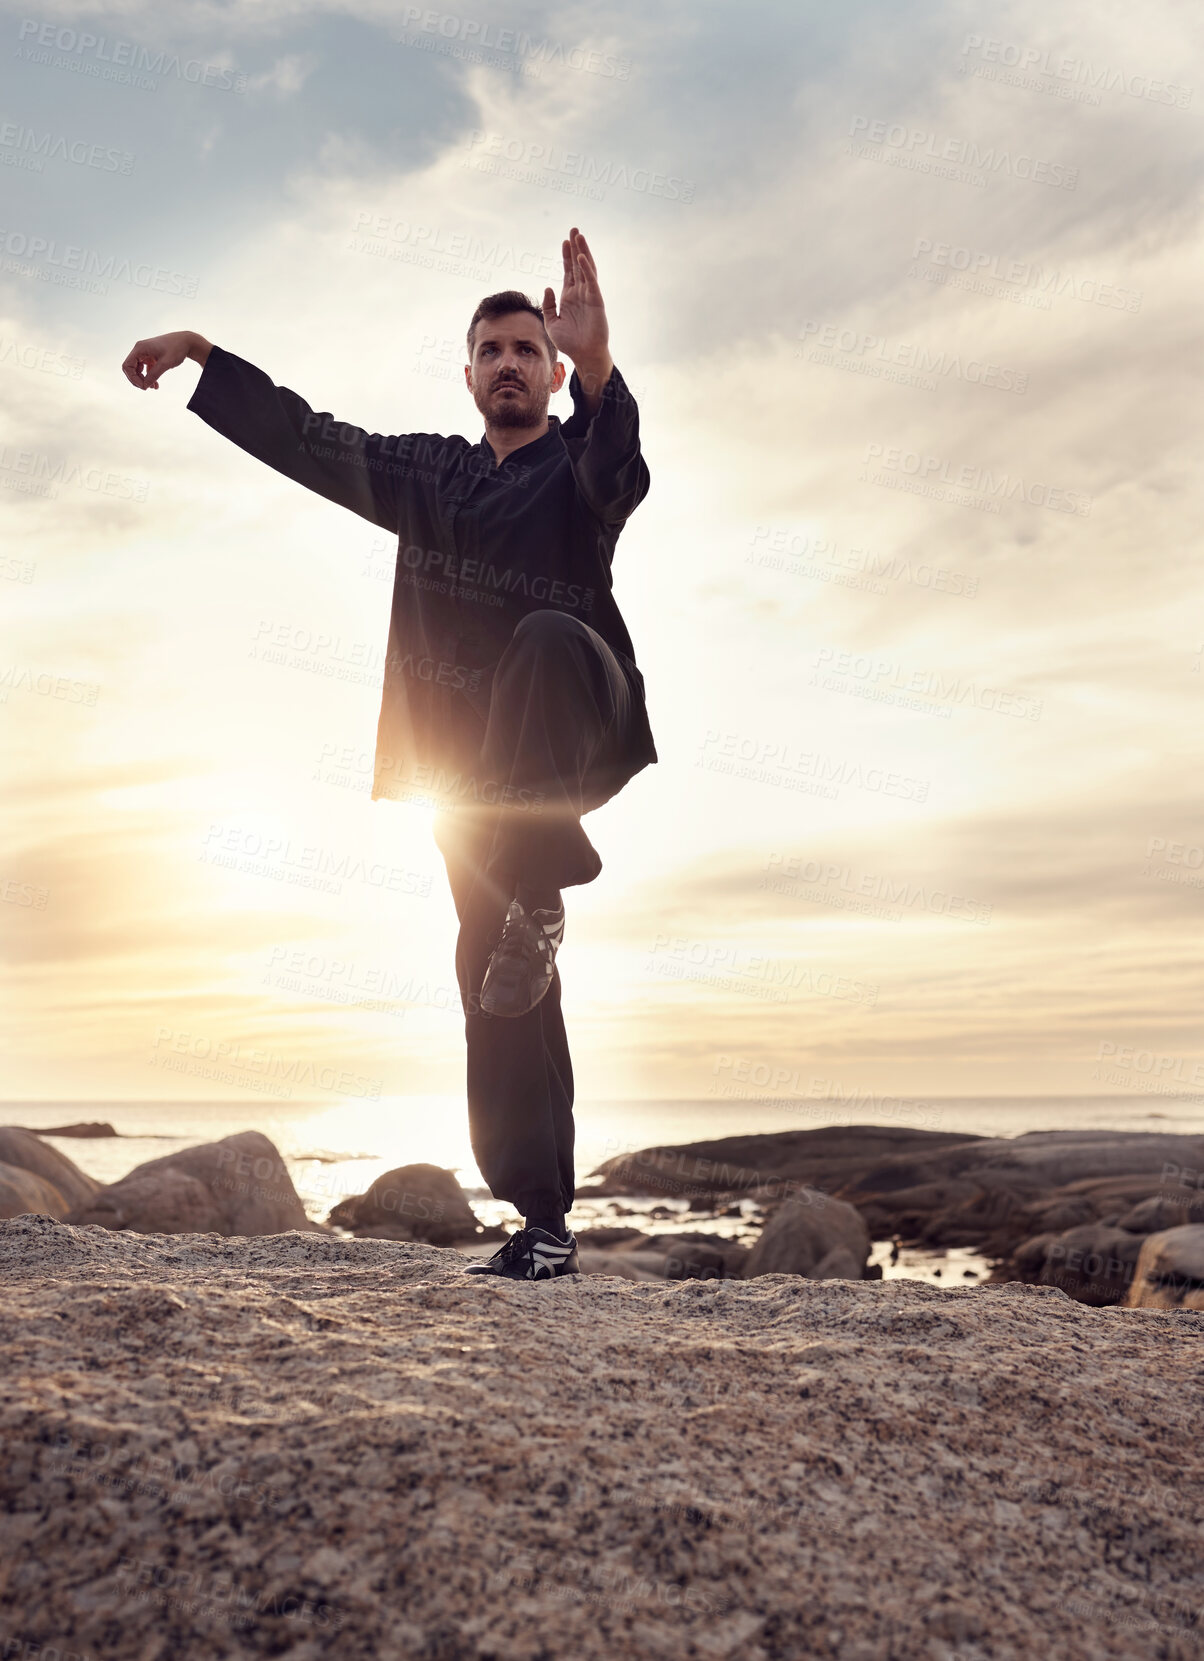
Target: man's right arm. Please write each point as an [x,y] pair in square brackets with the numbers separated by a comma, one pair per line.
[361,471]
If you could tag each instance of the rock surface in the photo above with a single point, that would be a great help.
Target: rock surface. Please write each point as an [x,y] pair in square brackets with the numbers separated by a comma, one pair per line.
[21,1191]
[89,1130]
[1094,1264]
[1170,1270]
[766,1165]
[698,1256]
[626,1265]
[239,1185]
[939,1189]
[685,1255]
[814,1235]
[1162,1211]
[316,1447]
[37,1177]
[413,1202]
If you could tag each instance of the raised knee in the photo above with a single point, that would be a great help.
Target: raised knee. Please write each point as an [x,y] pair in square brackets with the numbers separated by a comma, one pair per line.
[548,629]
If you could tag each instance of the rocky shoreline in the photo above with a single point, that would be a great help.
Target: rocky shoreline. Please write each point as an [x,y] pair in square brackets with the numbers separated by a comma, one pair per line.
[1107,1217]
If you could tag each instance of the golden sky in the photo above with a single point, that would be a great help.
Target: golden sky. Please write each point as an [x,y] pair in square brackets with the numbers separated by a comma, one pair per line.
[910,307]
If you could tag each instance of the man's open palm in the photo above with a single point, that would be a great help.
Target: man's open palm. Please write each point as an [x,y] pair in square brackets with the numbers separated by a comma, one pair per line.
[579,329]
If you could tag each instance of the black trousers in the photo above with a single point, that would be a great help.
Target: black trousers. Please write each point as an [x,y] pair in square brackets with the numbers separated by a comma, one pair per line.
[555,743]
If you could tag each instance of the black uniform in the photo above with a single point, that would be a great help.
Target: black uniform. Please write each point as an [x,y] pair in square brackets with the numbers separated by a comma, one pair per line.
[511,693]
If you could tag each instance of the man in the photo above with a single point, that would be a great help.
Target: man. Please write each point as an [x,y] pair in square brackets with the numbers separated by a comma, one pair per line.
[511,692]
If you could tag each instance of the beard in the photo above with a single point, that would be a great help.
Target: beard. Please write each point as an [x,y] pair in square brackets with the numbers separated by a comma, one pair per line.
[524,407]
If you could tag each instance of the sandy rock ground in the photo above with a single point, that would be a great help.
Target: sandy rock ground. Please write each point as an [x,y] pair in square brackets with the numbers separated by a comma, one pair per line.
[302,1446]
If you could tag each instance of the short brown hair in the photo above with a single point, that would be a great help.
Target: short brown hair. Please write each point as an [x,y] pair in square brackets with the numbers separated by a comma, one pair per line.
[498,305]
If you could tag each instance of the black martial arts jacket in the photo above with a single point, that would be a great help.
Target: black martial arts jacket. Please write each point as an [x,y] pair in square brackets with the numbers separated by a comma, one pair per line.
[479,546]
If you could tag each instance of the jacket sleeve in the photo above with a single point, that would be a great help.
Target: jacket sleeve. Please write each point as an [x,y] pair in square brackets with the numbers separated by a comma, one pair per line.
[604,450]
[354,469]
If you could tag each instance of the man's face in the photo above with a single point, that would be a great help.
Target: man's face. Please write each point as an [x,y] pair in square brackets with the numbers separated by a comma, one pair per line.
[511,376]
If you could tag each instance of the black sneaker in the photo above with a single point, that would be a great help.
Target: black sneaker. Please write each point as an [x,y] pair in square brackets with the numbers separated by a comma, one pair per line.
[530,1254]
[521,968]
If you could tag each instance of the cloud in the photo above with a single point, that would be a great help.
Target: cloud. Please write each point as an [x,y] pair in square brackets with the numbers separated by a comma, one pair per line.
[875,362]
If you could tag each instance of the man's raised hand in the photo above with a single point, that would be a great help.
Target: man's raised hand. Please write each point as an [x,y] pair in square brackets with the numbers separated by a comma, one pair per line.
[579,329]
[148,359]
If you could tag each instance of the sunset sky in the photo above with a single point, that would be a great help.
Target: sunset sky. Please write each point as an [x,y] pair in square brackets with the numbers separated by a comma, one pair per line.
[910,304]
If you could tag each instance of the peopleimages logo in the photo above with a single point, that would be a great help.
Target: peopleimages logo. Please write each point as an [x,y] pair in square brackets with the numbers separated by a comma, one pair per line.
[43,147]
[547,158]
[427,243]
[778,761]
[838,670]
[935,472]
[1040,61]
[51,476]
[45,359]
[919,144]
[823,557]
[281,1072]
[844,888]
[17,677]
[90,265]
[484,37]
[869,352]
[84,52]
[398,453]
[310,865]
[1048,282]
[468,577]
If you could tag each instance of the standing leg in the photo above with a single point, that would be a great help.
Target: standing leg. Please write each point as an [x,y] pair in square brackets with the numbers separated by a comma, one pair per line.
[520,1077]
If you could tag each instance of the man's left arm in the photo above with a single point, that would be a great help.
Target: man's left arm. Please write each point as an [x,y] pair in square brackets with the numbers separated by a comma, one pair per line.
[602,438]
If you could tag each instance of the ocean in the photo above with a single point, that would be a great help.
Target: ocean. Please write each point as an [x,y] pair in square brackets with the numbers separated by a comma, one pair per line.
[336,1149]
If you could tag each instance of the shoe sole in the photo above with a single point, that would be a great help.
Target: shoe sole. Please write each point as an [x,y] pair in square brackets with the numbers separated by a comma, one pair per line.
[506,989]
[492,1274]
[496,1003]
[503,995]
